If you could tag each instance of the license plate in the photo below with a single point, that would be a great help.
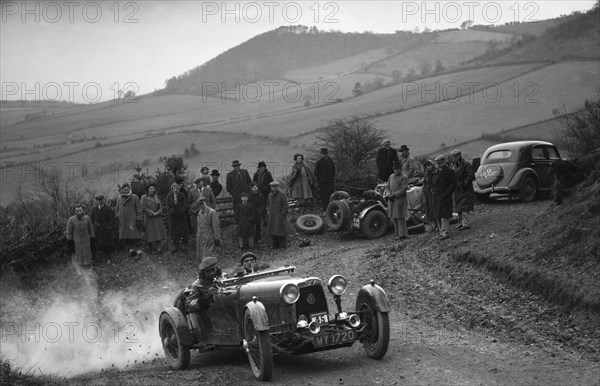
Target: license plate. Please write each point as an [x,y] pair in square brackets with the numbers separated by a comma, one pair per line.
[319,318]
[334,339]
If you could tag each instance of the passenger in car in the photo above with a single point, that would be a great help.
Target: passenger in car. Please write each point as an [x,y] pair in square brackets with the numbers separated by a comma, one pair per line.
[249,264]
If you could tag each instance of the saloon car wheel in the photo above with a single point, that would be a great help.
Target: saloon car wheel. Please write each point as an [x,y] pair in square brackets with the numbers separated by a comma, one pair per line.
[528,190]
[178,356]
[378,332]
[259,350]
[309,224]
[374,224]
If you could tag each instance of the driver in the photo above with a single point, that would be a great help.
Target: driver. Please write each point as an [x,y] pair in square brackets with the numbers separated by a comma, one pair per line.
[201,296]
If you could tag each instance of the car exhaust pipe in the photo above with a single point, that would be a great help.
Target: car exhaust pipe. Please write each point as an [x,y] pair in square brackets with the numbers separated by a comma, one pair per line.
[354,321]
[314,327]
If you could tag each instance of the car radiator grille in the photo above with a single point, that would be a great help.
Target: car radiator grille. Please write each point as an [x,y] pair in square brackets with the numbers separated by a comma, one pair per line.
[312,300]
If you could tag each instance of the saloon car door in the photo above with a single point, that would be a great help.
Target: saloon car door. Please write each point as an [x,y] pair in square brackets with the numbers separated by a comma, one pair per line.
[541,164]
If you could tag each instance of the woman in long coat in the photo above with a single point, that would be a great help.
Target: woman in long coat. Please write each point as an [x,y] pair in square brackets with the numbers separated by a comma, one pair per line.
[129,213]
[155,228]
[302,181]
[177,208]
[398,207]
[277,208]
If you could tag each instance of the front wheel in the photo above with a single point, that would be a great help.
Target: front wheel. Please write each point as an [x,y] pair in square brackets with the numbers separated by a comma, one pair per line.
[178,355]
[378,332]
[258,347]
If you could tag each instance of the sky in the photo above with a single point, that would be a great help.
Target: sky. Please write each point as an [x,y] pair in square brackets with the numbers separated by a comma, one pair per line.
[85,51]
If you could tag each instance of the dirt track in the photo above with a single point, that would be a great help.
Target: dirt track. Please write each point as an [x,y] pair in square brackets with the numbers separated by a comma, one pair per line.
[451,324]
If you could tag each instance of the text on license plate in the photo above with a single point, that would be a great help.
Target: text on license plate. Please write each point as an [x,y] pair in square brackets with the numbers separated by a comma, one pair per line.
[335,338]
[319,318]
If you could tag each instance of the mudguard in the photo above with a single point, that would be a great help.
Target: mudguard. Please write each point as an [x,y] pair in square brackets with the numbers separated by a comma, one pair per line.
[258,314]
[363,213]
[517,180]
[374,296]
[183,331]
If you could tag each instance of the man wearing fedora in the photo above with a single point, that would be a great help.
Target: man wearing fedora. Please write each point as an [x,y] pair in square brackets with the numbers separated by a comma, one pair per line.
[103,221]
[238,182]
[325,175]
[215,185]
[445,184]
[408,163]
[386,156]
[262,178]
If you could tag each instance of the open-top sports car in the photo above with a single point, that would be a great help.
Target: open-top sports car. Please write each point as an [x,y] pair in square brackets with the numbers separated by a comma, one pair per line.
[274,311]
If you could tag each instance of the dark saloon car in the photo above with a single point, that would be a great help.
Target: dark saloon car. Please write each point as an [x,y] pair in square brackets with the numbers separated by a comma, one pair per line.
[518,169]
[273,311]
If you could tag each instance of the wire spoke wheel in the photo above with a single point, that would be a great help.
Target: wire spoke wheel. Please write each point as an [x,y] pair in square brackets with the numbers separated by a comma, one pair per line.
[178,356]
[378,332]
[259,350]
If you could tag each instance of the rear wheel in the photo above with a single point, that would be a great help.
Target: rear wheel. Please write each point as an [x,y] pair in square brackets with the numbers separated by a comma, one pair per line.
[528,190]
[374,224]
[378,332]
[259,350]
[178,356]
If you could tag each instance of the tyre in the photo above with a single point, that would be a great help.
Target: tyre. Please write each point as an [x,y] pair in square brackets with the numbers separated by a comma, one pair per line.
[378,332]
[337,215]
[374,224]
[178,356]
[259,350]
[528,190]
[488,175]
[309,224]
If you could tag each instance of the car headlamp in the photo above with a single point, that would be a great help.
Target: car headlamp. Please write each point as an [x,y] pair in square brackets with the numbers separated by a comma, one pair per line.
[337,285]
[289,293]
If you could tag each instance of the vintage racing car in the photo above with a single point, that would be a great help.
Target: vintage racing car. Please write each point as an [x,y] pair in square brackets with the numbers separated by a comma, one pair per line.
[273,311]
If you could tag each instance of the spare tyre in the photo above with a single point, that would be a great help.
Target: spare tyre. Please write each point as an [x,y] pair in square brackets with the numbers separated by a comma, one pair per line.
[337,215]
[487,175]
[309,224]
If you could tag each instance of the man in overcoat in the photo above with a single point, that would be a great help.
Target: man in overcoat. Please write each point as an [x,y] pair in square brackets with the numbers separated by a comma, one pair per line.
[238,182]
[277,210]
[386,156]
[208,230]
[464,196]
[445,184]
[262,178]
[325,175]
[177,208]
[80,235]
[103,220]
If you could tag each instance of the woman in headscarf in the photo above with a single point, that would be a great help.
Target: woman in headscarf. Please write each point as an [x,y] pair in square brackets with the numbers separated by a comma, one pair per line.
[302,181]
[155,229]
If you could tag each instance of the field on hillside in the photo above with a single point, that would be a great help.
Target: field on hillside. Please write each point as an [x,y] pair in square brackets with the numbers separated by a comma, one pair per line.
[540,92]
[472,35]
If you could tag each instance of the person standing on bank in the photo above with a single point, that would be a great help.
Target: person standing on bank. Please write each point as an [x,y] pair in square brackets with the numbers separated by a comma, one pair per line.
[464,196]
[177,208]
[188,219]
[398,202]
[215,185]
[103,221]
[80,238]
[262,178]
[444,187]
[155,228]
[277,210]
[429,182]
[325,175]
[202,189]
[302,181]
[409,165]
[260,211]
[208,233]
[131,220]
[245,217]
[386,156]
[238,182]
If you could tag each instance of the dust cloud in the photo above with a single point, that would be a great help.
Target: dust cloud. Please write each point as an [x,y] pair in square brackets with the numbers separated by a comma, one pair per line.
[76,328]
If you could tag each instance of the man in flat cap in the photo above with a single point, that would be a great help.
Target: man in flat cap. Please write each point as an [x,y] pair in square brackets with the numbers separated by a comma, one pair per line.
[208,233]
[277,210]
[386,156]
[238,182]
[131,220]
[464,196]
[445,185]
[103,220]
[325,175]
